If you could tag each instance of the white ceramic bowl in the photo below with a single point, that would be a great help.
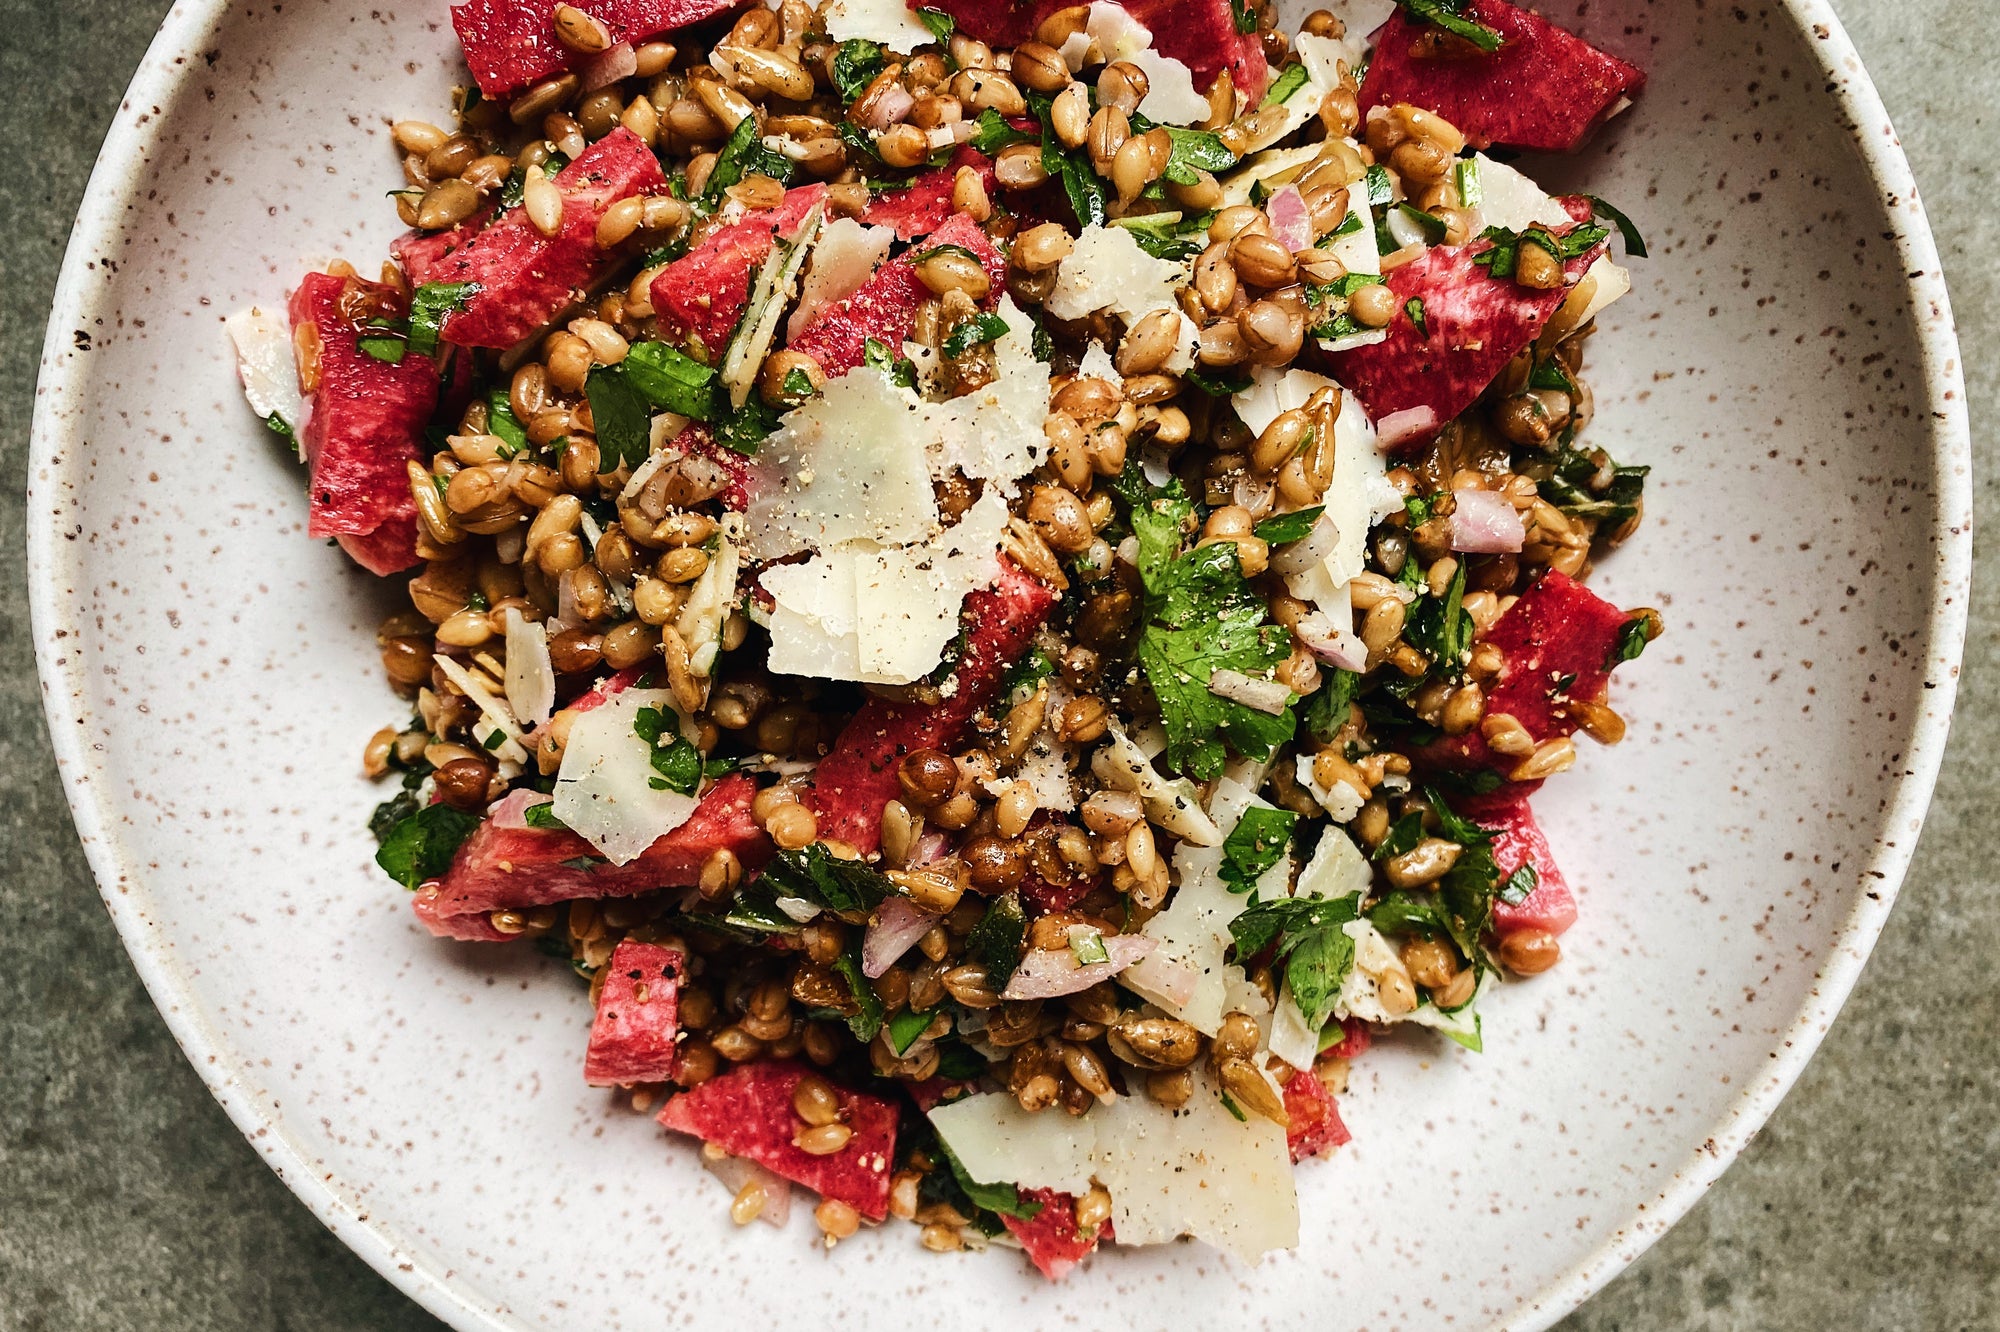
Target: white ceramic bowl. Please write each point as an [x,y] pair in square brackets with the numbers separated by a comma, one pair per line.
[1787,366]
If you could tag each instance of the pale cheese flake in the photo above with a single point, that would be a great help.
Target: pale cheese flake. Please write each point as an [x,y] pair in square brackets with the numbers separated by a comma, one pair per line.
[1106,270]
[1321,57]
[1171,98]
[494,714]
[847,466]
[710,599]
[994,433]
[269,373]
[882,615]
[1193,932]
[845,257]
[1196,1171]
[604,790]
[1511,200]
[889,22]
[531,677]
[1172,802]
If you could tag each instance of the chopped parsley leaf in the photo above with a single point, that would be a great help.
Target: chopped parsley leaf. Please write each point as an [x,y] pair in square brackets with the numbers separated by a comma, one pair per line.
[420,847]
[1255,844]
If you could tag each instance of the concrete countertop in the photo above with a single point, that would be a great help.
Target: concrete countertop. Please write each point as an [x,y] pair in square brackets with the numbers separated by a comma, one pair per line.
[1872,1200]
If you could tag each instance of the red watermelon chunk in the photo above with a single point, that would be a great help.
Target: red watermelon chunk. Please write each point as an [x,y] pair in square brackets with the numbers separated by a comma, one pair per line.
[885,306]
[500,868]
[526,279]
[748,1112]
[365,424]
[638,1016]
[858,778]
[1518,841]
[423,253]
[1052,1241]
[1474,323]
[701,295]
[1544,89]
[1315,1127]
[1558,639]
[926,204]
[510,44]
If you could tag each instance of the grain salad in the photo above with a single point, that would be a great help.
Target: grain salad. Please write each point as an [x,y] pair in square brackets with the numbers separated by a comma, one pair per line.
[997,579]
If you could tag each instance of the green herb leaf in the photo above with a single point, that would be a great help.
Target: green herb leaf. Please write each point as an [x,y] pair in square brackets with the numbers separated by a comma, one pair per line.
[1434,228]
[1632,640]
[1305,936]
[543,816]
[1218,383]
[1380,188]
[1004,1199]
[1588,484]
[1168,235]
[744,154]
[672,381]
[994,133]
[866,1019]
[1414,308]
[1195,150]
[745,430]
[1284,528]
[1446,14]
[1290,81]
[1635,244]
[1441,628]
[420,847]
[1229,1104]
[279,426]
[430,305]
[974,332]
[941,24]
[1087,947]
[880,356]
[845,887]
[1465,175]
[1327,710]
[997,941]
[905,1027]
[1246,17]
[855,66]
[623,417]
[1257,842]
[1520,884]
[383,347]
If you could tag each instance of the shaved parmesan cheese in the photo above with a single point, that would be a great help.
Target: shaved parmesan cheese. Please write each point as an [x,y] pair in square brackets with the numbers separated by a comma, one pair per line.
[1097,364]
[847,466]
[1194,929]
[1170,97]
[1173,803]
[776,284]
[269,373]
[1106,270]
[737,1171]
[845,257]
[1341,801]
[882,615]
[1195,1171]
[1613,281]
[1360,495]
[494,714]
[889,22]
[531,678]
[1274,167]
[709,601]
[604,789]
[1321,56]
[995,433]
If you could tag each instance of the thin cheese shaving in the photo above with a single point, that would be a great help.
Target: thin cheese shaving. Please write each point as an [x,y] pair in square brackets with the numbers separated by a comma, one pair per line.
[604,790]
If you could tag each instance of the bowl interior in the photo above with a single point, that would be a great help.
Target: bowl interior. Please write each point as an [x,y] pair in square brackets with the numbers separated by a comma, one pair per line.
[212,679]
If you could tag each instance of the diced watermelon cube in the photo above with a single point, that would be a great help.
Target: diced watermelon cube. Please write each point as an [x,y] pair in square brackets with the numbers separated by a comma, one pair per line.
[1355,1038]
[1557,642]
[510,44]
[885,306]
[1315,1127]
[500,868]
[1473,325]
[701,295]
[526,279]
[1518,841]
[365,423]
[855,780]
[1051,1240]
[638,1016]
[1544,89]
[748,1112]
[926,204]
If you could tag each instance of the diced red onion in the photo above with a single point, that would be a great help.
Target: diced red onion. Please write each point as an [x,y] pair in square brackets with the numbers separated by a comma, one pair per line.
[1402,427]
[894,931]
[1484,523]
[1262,695]
[1308,551]
[1291,220]
[1048,973]
[889,108]
[1173,981]
[1330,643]
[608,66]
[510,811]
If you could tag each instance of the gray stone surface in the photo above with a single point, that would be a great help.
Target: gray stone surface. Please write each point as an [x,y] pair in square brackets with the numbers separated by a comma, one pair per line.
[1872,1201]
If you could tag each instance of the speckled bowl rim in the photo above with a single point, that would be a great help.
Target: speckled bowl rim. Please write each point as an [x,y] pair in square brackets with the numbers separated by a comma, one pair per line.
[116,190]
